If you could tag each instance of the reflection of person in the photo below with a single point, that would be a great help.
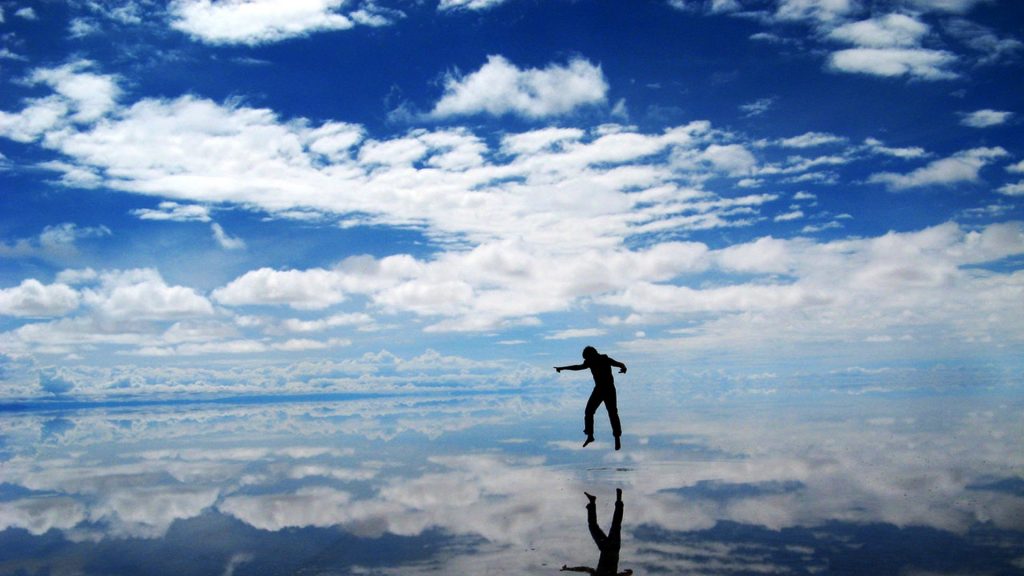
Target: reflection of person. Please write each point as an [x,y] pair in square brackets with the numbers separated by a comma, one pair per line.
[608,564]
[604,391]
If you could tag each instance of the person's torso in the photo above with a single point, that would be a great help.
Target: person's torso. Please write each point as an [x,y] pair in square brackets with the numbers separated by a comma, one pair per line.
[601,369]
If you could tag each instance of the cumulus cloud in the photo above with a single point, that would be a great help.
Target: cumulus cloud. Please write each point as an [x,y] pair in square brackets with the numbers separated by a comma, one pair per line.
[54,383]
[448,183]
[500,87]
[254,22]
[143,294]
[985,118]
[847,290]
[890,30]
[960,167]
[918,63]
[733,159]
[301,289]
[33,299]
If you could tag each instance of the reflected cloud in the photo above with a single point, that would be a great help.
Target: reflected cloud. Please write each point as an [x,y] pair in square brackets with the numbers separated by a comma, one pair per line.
[724,487]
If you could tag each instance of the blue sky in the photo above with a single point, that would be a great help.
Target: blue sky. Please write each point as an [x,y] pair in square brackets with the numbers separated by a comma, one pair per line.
[272,197]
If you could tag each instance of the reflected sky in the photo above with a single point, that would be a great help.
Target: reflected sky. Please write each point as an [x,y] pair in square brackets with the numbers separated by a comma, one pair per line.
[494,484]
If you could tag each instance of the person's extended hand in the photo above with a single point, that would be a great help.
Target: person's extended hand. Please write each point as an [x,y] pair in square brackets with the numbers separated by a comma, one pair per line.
[622,370]
[557,369]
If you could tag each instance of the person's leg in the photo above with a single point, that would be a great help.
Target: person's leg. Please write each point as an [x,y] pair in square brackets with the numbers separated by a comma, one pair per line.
[611,404]
[595,529]
[588,414]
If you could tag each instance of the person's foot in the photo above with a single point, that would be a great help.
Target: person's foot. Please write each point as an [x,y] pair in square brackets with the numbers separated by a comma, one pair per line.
[618,445]
[618,494]
[591,497]
[588,441]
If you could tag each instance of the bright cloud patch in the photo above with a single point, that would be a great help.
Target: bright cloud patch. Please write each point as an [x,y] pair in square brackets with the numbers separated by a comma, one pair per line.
[32,298]
[920,63]
[304,290]
[499,87]
[961,167]
[143,294]
[446,5]
[262,21]
[887,31]
[985,118]
[175,212]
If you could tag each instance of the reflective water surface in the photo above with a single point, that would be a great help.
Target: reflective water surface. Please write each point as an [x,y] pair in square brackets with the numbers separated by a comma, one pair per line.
[493,484]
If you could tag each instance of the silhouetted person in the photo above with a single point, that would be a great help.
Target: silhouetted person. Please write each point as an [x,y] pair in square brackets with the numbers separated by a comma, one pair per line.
[604,391]
[608,563]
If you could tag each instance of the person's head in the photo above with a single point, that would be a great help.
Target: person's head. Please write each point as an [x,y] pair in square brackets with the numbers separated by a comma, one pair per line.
[589,352]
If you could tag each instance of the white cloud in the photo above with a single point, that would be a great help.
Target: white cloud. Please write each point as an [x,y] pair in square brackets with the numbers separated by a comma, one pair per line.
[39,515]
[889,31]
[757,107]
[985,118]
[27,13]
[301,289]
[57,242]
[810,140]
[573,333]
[226,242]
[79,96]
[302,344]
[961,167]
[954,6]
[89,95]
[175,212]
[33,299]
[1017,168]
[142,294]
[789,216]
[993,48]
[877,147]
[733,159]
[499,88]
[764,256]
[1012,189]
[448,183]
[451,5]
[918,63]
[819,11]
[255,22]
[333,321]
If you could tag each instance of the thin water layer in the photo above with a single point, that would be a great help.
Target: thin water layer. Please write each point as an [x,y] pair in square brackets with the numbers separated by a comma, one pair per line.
[495,485]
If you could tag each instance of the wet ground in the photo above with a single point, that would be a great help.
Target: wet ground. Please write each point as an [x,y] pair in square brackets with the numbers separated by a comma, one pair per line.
[495,484]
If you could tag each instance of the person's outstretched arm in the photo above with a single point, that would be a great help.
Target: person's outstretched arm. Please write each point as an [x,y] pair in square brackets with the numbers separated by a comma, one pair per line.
[573,367]
[617,364]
